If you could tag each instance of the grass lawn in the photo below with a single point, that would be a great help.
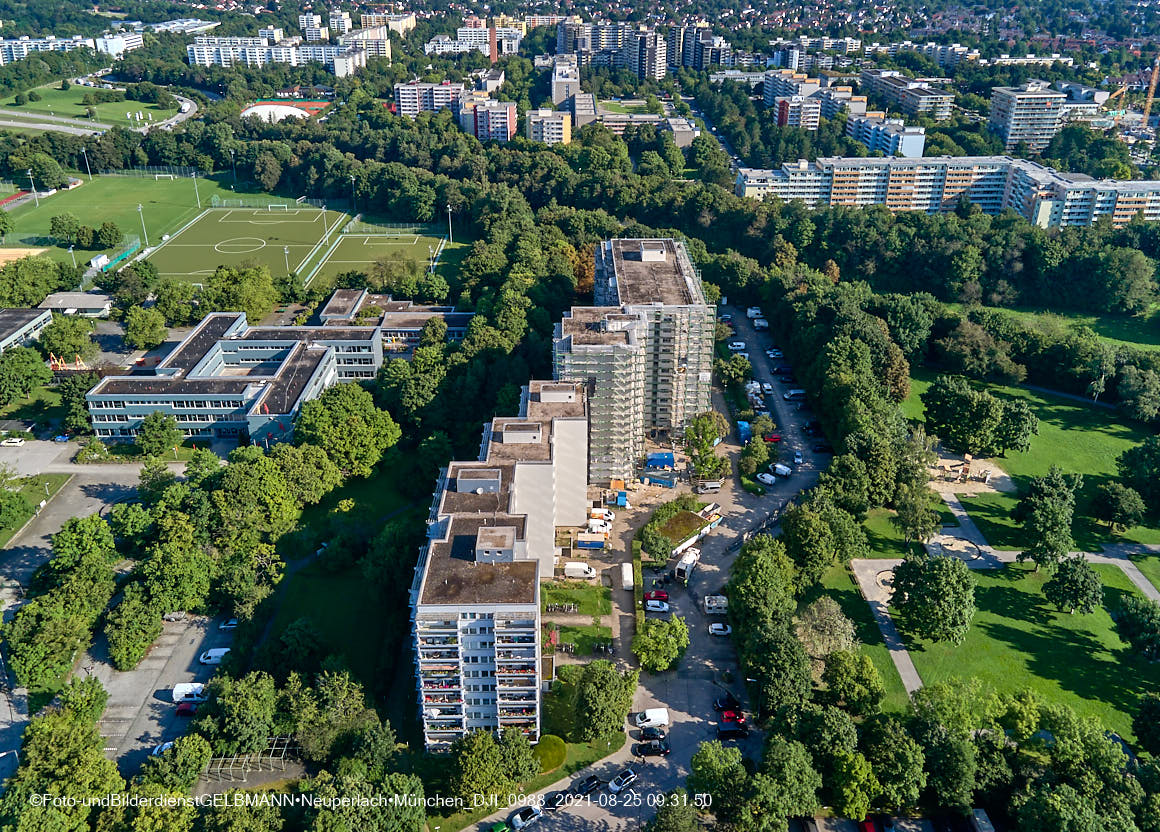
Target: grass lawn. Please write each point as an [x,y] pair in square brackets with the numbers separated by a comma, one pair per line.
[839,584]
[129,452]
[167,205]
[1018,641]
[1142,332]
[57,102]
[43,407]
[886,540]
[1150,566]
[34,489]
[1077,437]
[592,600]
[358,252]
[584,637]
[617,107]
[682,526]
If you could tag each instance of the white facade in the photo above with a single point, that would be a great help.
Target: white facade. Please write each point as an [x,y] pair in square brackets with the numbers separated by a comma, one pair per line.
[414,98]
[1031,113]
[890,136]
[14,49]
[910,95]
[341,58]
[549,126]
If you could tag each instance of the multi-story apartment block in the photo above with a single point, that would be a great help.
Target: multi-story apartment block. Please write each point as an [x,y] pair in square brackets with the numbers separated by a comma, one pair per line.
[340,22]
[506,21]
[582,106]
[645,54]
[681,50]
[682,130]
[645,350]
[1038,193]
[785,83]
[343,58]
[185,26]
[20,327]
[565,78]
[489,41]
[116,44]
[534,21]
[1031,113]
[549,126]
[945,55]
[888,135]
[414,97]
[837,99]
[375,41]
[475,599]
[910,95]
[14,49]
[488,120]
[398,23]
[797,111]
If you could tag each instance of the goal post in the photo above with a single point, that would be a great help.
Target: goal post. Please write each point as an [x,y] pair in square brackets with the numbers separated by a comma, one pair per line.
[157,177]
[277,207]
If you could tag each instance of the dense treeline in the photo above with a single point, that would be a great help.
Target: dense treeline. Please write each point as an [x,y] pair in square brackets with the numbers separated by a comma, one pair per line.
[43,67]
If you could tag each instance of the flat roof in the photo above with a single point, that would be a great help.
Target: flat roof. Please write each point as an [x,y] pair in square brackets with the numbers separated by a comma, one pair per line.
[161,386]
[293,375]
[590,325]
[540,450]
[198,343]
[13,320]
[342,303]
[546,400]
[454,577]
[643,280]
[76,300]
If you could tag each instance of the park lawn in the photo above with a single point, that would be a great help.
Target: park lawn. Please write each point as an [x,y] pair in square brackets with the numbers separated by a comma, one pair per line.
[1076,436]
[33,490]
[1150,566]
[167,205]
[67,103]
[592,600]
[585,637]
[886,541]
[1019,641]
[1141,332]
[43,407]
[839,584]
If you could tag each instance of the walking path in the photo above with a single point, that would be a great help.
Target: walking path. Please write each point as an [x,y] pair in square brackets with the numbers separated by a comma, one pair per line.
[968,544]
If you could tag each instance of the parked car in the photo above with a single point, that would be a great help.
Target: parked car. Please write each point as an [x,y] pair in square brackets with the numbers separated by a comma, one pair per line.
[736,346]
[728,702]
[775,353]
[622,781]
[555,801]
[588,785]
[525,817]
[499,826]
[732,731]
[653,718]
[866,826]
[772,437]
[229,624]
[718,629]
[652,733]
[657,595]
[766,479]
[12,442]
[656,748]
[726,319]
[733,716]
[187,709]
[213,656]
[656,606]
[161,749]
[798,458]
[767,388]
[782,370]
[64,437]
[744,355]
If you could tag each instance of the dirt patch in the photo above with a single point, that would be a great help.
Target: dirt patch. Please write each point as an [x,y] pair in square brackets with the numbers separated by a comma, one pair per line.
[7,255]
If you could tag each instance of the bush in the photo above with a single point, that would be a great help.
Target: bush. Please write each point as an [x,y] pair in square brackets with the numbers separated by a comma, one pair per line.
[92,451]
[131,629]
[33,95]
[550,751]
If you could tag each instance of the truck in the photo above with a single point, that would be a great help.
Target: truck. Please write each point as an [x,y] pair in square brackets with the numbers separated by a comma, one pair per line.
[715,605]
[578,569]
[626,576]
[663,482]
[604,514]
[687,564]
[585,540]
[753,312]
[760,323]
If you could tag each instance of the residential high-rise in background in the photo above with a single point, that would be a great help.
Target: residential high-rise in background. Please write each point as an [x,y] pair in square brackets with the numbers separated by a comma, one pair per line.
[797,111]
[549,126]
[911,95]
[639,49]
[645,350]
[416,97]
[488,120]
[400,23]
[565,78]
[888,135]
[1031,113]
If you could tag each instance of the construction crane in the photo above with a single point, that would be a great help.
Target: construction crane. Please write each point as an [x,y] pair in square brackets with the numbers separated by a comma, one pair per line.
[1151,89]
[1123,89]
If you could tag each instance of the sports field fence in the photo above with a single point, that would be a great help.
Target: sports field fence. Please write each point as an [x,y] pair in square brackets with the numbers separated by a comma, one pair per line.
[391,229]
[266,203]
[156,172]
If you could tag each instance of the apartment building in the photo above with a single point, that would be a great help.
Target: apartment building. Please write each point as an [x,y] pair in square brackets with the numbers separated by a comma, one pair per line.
[549,126]
[645,53]
[15,49]
[1031,113]
[488,120]
[565,78]
[945,55]
[797,111]
[344,57]
[475,598]
[681,43]
[398,23]
[888,135]
[911,95]
[645,351]
[785,83]
[488,40]
[340,22]
[839,99]
[374,40]
[582,106]
[185,26]
[683,130]
[19,327]
[1036,192]
[414,97]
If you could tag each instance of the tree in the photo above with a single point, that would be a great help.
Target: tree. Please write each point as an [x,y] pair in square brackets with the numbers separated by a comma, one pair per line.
[1146,723]
[854,784]
[84,699]
[775,659]
[250,290]
[1075,586]
[935,597]
[675,813]
[72,389]
[1118,505]
[852,680]
[660,643]
[718,770]
[109,235]
[898,763]
[809,542]
[754,456]
[174,300]
[517,759]
[240,716]
[761,587]
[345,422]
[158,434]
[68,336]
[433,333]
[603,699]
[701,437]
[914,514]
[974,421]
[1139,467]
[178,767]
[788,764]
[823,628]
[267,170]
[64,227]
[145,328]
[734,370]
[22,370]
[1046,513]
[1138,623]
[1058,808]
[309,472]
[253,503]
[477,767]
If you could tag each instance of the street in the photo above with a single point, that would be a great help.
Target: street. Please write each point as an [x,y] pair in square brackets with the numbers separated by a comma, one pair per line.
[688,692]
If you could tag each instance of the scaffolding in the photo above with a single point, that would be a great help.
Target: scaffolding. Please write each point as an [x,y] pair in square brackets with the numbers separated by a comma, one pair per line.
[235,768]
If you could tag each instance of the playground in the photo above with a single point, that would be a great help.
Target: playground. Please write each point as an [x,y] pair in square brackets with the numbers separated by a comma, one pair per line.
[283,237]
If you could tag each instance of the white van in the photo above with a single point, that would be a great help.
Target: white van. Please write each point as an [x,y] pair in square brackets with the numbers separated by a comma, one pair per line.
[189,692]
[213,656]
[626,576]
[653,718]
[578,569]
[795,395]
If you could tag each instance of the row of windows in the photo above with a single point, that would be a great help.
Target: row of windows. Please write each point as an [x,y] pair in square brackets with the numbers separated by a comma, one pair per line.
[220,404]
[478,674]
[480,688]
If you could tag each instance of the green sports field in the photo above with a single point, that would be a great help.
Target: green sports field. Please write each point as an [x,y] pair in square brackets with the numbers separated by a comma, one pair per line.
[356,252]
[57,102]
[276,238]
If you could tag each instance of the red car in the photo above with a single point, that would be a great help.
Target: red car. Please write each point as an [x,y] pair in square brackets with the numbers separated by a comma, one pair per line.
[186,709]
[772,437]
[733,716]
[656,595]
[866,826]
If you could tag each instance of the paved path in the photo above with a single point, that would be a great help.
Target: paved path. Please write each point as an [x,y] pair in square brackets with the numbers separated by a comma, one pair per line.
[967,543]
[49,126]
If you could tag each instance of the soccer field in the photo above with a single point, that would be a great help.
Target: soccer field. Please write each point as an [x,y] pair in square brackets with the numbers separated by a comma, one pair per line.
[357,252]
[275,238]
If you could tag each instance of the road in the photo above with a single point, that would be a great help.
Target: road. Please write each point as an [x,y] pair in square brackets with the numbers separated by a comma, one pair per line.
[45,457]
[56,128]
[721,140]
[689,691]
[87,127]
